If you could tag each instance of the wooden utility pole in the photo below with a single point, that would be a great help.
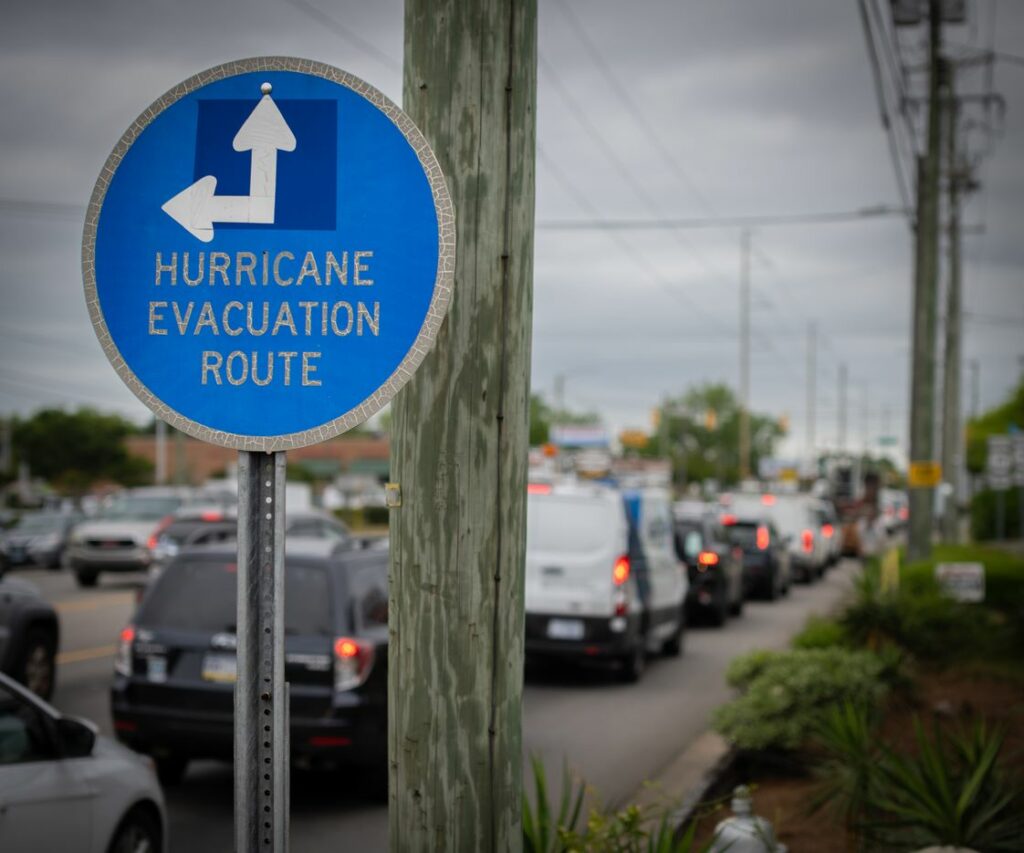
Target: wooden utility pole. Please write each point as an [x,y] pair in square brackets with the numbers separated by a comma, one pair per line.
[744,354]
[952,432]
[926,262]
[459,452]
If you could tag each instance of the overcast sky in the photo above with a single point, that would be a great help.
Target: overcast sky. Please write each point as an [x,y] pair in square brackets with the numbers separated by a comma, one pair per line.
[645,110]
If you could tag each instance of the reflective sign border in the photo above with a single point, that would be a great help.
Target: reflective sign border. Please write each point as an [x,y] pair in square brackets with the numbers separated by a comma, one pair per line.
[443,282]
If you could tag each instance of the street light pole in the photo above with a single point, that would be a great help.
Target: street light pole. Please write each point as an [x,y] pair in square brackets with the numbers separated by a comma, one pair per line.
[744,354]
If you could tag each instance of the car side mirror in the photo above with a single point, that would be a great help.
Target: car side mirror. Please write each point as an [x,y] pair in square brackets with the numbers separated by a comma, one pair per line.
[76,737]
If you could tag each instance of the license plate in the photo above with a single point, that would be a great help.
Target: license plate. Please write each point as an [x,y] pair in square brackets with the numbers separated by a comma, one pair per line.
[565,629]
[222,668]
[156,669]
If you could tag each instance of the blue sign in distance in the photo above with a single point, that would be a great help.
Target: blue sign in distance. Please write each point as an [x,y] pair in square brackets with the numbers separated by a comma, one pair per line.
[268,253]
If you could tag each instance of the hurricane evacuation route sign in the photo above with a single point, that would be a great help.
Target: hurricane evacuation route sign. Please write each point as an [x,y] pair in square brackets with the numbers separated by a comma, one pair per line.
[268,253]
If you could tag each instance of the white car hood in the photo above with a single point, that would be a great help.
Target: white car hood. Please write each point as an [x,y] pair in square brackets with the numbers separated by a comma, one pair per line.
[140,531]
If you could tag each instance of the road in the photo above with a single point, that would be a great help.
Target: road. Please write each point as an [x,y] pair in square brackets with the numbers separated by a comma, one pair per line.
[616,736]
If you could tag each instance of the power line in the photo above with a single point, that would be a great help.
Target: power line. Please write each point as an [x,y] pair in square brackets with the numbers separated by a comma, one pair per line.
[629,102]
[883,108]
[770,219]
[597,135]
[335,26]
[638,257]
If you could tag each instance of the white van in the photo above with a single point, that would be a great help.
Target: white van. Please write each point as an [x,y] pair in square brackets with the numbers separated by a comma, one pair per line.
[602,577]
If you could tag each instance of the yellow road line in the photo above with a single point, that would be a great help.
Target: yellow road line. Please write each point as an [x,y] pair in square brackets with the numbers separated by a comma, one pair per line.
[95,602]
[86,654]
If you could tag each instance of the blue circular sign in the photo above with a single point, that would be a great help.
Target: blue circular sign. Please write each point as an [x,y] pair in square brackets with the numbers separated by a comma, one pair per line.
[268,253]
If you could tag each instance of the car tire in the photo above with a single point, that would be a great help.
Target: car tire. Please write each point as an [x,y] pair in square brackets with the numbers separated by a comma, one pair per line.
[635,662]
[170,769]
[719,613]
[736,608]
[138,832]
[37,669]
[87,577]
[673,646]
[773,589]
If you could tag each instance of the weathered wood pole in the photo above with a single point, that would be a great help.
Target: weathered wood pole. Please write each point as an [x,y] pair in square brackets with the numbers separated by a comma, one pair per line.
[459,445]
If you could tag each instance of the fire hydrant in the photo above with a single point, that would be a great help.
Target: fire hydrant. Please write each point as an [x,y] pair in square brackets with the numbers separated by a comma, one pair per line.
[745,832]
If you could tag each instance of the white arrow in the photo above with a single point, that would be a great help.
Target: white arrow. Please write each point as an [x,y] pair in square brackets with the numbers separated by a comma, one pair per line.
[264,133]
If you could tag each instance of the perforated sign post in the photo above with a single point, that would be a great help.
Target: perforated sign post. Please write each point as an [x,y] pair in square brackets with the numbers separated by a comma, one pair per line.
[268,256]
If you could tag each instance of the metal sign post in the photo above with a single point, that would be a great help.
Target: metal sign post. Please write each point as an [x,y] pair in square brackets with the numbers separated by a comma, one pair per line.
[268,257]
[261,693]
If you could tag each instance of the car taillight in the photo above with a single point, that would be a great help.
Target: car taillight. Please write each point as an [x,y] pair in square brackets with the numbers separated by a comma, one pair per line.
[807,539]
[123,657]
[728,520]
[762,538]
[707,558]
[353,660]
[827,530]
[620,571]
[160,528]
[768,500]
[538,488]
[904,513]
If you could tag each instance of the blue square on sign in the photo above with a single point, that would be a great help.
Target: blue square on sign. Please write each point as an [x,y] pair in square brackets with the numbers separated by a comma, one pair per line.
[307,183]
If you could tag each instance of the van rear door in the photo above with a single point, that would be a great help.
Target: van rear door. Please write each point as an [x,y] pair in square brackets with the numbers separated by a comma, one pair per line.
[572,543]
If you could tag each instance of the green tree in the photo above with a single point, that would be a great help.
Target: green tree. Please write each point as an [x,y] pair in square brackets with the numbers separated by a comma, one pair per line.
[72,450]
[700,434]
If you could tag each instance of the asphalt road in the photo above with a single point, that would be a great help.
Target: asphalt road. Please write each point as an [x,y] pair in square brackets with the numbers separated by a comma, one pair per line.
[616,736]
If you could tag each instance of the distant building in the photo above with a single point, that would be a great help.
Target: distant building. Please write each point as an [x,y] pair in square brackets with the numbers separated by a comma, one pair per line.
[358,455]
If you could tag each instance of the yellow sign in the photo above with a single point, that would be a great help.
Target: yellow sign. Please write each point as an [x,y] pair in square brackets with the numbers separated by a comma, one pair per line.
[634,439]
[924,475]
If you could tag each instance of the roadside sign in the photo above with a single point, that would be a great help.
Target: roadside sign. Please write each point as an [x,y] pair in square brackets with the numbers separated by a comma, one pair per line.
[268,253]
[962,581]
[999,462]
[924,475]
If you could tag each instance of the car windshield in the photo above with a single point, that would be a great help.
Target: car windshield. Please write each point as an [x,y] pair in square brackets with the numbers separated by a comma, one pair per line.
[563,525]
[41,523]
[137,508]
[200,595]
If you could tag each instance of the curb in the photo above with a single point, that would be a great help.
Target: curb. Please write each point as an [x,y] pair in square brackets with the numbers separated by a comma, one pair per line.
[686,779]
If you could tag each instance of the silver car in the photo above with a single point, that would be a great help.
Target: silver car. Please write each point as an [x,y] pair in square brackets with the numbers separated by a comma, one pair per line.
[65,787]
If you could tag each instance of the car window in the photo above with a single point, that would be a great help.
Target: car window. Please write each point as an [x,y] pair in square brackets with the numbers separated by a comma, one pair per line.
[333,530]
[689,540]
[743,534]
[308,527]
[23,733]
[564,525]
[200,595]
[370,588]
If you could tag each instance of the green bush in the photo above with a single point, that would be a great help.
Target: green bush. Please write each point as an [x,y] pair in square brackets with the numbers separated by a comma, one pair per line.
[984,513]
[783,694]
[820,633]
[953,791]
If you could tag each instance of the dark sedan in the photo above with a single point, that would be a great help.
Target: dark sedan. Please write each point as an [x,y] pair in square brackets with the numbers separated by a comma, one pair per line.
[39,538]
[766,572]
[29,636]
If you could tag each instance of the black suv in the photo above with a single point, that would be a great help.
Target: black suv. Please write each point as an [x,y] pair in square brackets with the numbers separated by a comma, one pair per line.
[172,696]
[713,564]
[766,571]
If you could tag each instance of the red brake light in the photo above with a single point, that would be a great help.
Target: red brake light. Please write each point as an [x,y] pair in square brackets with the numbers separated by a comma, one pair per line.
[160,528]
[827,530]
[707,558]
[762,538]
[620,571]
[538,488]
[728,520]
[212,515]
[353,660]
[768,500]
[807,540]
[123,657]
[904,513]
